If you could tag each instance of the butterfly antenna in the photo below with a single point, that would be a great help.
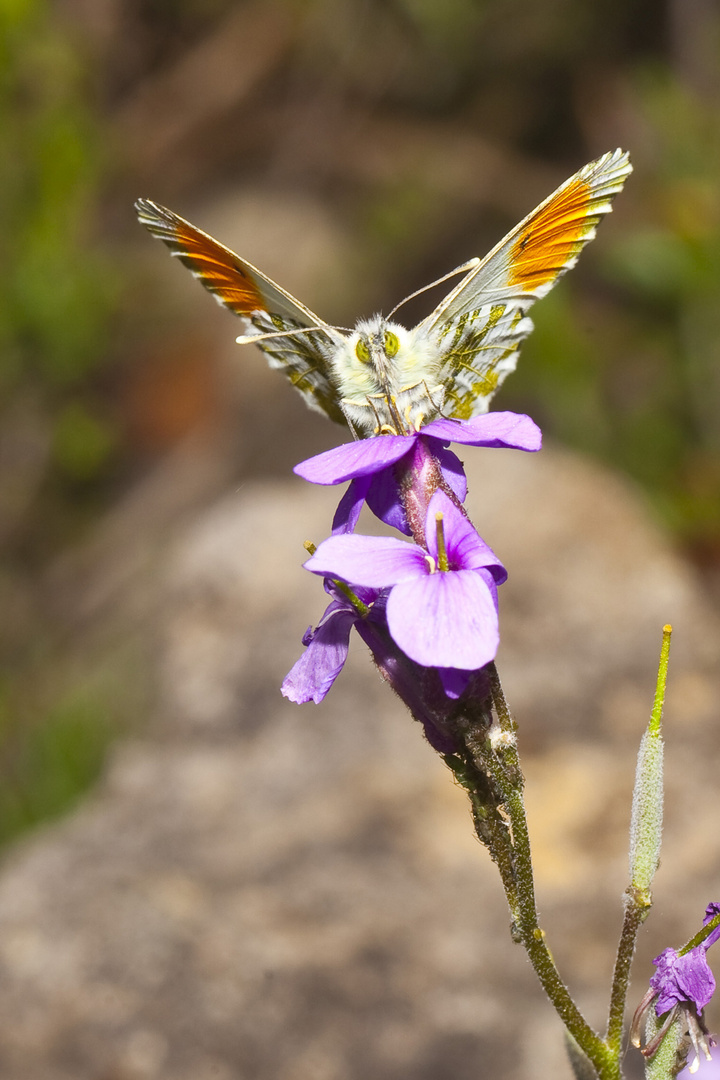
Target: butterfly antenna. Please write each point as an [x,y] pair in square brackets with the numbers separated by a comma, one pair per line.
[470,265]
[253,339]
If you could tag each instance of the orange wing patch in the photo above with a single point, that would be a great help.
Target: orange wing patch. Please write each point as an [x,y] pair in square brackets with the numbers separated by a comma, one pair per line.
[220,271]
[553,237]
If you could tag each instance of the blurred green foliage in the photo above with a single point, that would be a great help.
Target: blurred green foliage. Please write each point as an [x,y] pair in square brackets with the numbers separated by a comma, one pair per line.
[55,303]
[47,765]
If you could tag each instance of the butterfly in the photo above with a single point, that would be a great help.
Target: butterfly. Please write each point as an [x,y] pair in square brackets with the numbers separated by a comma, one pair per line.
[381,378]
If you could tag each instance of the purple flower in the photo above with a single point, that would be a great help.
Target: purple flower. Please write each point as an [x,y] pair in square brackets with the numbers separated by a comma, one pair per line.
[442,605]
[682,979]
[422,689]
[370,463]
[682,985]
[327,647]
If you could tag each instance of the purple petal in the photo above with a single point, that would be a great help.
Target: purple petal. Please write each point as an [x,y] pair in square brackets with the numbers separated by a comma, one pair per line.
[681,979]
[445,620]
[696,978]
[374,561]
[663,981]
[384,501]
[313,674]
[362,458]
[500,429]
[466,549]
[452,470]
[454,682]
[349,507]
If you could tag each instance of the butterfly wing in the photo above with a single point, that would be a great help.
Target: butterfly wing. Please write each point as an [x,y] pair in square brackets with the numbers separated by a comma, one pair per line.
[242,288]
[479,326]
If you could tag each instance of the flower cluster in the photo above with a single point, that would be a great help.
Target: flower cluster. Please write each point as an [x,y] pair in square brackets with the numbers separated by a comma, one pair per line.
[426,606]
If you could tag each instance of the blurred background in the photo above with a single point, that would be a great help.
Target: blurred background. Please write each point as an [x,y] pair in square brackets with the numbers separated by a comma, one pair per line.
[354,150]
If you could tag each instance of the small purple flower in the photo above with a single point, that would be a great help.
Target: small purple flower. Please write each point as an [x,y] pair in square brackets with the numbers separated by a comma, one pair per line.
[371,463]
[311,677]
[422,689]
[686,977]
[442,605]
[682,979]
[683,984]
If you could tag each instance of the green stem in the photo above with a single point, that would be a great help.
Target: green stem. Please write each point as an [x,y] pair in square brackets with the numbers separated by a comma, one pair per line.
[504,766]
[636,909]
[491,829]
[700,936]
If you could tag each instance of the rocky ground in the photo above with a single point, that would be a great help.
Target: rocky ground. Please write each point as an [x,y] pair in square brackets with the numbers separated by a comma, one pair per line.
[260,891]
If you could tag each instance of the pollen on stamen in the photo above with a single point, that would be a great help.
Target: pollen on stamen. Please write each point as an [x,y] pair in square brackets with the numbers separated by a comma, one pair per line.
[431,563]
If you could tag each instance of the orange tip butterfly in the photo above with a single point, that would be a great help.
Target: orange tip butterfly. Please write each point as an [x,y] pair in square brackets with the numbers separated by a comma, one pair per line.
[382,378]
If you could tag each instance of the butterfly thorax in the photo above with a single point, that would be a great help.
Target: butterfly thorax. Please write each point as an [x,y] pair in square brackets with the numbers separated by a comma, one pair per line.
[387,378]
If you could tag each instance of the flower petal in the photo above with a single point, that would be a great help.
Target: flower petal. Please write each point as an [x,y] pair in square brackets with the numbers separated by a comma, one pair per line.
[682,979]
[695,978]
[313,674]
[384,500]
[375,561]
[452,470]
[445,620]
[362,458]
[349,507]
[454,681]
[466,549]
[500,429]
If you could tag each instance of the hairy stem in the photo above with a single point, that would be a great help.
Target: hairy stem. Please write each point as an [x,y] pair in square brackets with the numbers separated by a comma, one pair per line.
[503,762]
[636,909]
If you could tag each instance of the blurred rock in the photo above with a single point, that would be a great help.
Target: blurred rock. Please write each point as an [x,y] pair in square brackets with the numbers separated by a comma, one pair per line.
[259,890]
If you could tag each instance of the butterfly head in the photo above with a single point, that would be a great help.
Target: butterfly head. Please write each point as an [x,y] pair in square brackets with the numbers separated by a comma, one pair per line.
[376,344]
[382,373]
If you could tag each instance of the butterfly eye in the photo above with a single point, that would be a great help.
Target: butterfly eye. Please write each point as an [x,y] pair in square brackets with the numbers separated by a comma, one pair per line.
[362,352]
[391,344]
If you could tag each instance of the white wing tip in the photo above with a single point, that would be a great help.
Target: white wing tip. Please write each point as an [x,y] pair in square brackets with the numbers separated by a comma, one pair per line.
[615,162]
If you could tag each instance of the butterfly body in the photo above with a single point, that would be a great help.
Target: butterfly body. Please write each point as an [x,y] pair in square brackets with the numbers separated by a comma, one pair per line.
[382,378]
[386,377]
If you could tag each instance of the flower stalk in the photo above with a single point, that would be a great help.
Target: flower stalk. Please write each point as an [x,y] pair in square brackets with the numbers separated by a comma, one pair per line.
[426,607]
